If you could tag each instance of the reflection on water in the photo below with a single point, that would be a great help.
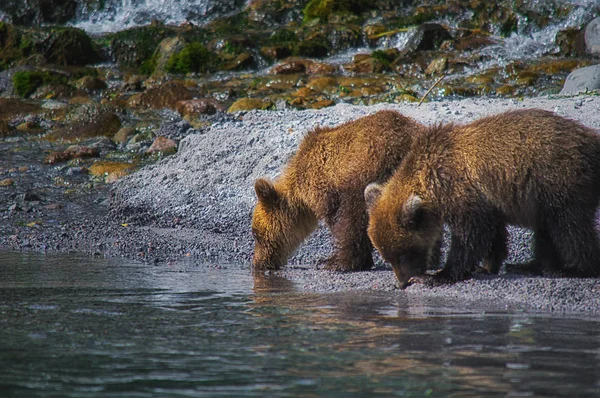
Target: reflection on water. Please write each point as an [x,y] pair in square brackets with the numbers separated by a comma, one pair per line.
[78,326]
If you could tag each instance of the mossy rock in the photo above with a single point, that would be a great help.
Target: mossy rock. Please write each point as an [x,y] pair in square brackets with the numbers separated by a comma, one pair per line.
[106,124]
[248,104]
[194,57]
[133,47]
[324,9]
[241,62]
[163,96]
[69,46]
[27,81]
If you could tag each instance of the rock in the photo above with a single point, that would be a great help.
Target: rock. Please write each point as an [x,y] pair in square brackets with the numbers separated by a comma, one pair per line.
[427,36]
[123,134]
[592,37]
[105,124]
[164,51]
[102,144]
[7,182]
[242,61]
[90,83]
[54,105]
[248,104]
[322,104]
[276,52]
[164,145]
[322,84]
[114,170]
[438,65]
[72,152]
[582,80]
[570,42]
[164,96]
[204,106]
[302,66]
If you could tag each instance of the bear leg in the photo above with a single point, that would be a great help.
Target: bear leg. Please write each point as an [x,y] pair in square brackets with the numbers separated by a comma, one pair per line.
[353,250]
[475,237]
[498,251]
[575,240]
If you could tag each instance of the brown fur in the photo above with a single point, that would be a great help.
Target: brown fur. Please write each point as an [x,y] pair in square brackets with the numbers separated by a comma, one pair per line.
[325,180]
[529,168]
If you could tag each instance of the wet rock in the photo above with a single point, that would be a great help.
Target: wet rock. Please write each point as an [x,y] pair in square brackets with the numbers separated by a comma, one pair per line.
[114,170]
[163,96]
[276,52]
[241,62]
[304,92]
[473,43]
[7,182]
[204,106]
[164,145]
[322,84]
[124,134]
[106,124]
[570,42]
[592,37]
[362,65]
[582,80]
[72,152]
[69,46]
[90,83]
[428,36]
[303,66]
[248,104]
[54,105]
[436,66]
[56,91]
[102,144]
[167,48]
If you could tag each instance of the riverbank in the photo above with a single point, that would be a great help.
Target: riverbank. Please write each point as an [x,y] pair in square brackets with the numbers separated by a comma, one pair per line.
[197,205]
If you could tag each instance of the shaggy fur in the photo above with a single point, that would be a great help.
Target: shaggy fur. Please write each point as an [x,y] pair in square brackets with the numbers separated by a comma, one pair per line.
[325,180]
[529,168]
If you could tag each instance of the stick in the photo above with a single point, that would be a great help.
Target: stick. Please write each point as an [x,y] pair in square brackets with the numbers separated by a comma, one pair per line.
[431,88]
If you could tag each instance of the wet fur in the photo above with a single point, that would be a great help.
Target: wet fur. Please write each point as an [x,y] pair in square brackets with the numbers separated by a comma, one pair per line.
[325,180]
[529,168]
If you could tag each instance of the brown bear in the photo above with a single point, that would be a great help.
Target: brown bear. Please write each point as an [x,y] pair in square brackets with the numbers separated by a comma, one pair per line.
[529,168]
[325,180]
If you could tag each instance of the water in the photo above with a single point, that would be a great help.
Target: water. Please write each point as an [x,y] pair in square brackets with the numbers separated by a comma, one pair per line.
[91,327]
[116,15]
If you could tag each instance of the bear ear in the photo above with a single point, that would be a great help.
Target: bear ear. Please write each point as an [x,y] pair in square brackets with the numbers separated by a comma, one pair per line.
[265,192]
[372,194]
[413,210]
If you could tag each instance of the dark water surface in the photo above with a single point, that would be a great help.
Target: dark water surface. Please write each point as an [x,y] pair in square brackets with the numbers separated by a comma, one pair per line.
[75,326]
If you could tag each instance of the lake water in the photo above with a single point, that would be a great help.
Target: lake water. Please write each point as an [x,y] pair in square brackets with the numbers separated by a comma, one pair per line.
[76,326]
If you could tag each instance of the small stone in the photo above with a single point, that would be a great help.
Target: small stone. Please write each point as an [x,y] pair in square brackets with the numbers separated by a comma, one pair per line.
[164,145]
[7,182]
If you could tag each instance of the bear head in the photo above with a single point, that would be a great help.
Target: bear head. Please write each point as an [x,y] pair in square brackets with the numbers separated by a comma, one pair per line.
[278,226]
[404,229]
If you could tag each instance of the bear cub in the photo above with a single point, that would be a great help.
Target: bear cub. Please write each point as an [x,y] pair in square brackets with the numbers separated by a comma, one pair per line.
[529,168]
[325,180]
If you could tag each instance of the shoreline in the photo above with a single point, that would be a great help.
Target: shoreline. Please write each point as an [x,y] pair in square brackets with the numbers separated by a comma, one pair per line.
[197,204]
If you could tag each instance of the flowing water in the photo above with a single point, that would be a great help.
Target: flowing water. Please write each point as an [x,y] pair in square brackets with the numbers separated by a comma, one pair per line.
[78,326]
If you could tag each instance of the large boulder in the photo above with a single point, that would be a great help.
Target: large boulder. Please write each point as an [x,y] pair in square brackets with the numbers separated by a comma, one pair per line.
[592,37]
[582,80]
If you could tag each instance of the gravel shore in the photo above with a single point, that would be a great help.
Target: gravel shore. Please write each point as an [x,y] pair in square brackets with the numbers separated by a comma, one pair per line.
[198,204]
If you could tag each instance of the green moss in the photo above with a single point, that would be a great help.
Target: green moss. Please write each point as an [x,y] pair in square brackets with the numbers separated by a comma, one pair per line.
[149,65]
[26,82]
[385,57]
[283,36]
[193,58]
[323,9]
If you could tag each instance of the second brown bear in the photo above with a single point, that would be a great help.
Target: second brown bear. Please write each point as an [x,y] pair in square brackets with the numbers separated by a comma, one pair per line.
[529,168]
[325,180]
